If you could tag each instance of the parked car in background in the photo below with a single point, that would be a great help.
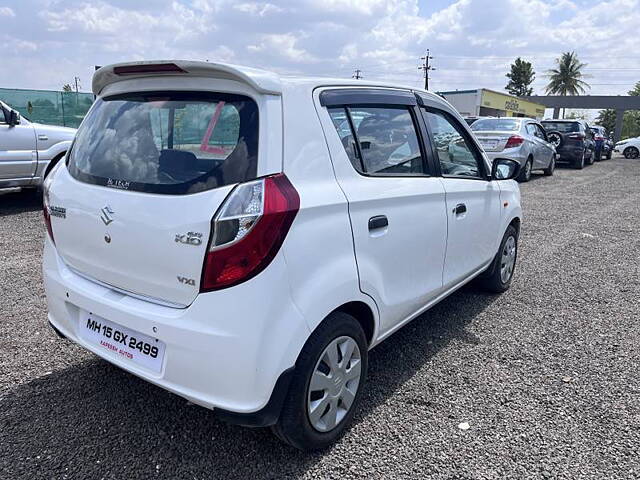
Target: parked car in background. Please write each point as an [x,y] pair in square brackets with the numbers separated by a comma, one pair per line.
[630,147]
[573,140]
[29,150]
[179,250]
[521,139]
[602,144]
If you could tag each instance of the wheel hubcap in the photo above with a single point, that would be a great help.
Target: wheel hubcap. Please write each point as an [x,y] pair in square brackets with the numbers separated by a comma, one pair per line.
[508,260]
[334,384]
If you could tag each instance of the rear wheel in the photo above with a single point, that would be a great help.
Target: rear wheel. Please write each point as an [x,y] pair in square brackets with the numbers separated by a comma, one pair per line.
[330,374]
[525,173]
[609,154]
[497,278]
[551,168]
[579,163]
[631,152]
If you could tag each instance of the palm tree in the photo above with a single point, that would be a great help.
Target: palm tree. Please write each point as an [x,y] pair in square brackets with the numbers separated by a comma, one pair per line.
[566,78]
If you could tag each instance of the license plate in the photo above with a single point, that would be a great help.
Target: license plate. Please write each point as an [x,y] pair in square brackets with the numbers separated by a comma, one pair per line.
[489,144]
[122,342]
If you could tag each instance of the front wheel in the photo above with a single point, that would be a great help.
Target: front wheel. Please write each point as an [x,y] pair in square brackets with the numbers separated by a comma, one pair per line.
[631,152]
[551,168]
[329,376]
[497,278]
[591,160]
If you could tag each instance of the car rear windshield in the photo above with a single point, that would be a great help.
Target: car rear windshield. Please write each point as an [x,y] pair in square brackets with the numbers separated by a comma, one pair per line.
[564,127]
[167,142]
[499,124]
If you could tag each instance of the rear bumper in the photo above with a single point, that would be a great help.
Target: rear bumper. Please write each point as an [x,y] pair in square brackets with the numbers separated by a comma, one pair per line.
[569,154]
[232,350]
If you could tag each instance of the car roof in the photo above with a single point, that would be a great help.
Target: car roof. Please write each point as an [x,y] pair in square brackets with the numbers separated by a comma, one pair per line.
[561,120]
[263,81]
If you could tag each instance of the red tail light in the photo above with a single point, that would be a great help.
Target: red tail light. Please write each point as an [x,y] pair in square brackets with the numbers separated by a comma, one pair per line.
[599,137]
[46,208]
[47,220]
[514,141]
[248,231]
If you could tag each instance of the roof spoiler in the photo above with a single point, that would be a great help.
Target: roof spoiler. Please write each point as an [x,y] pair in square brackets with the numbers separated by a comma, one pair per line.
[261,80]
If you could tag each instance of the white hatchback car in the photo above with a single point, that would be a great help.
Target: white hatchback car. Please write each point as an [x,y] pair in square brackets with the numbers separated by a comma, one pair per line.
[243,239]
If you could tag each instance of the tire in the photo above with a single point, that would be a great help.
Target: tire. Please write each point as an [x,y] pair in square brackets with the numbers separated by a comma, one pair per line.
[631,152]
[591,160]
[579,163]
[525,173]
[609,155]
[599,156]
[295,425]
[493,279]
[551,168]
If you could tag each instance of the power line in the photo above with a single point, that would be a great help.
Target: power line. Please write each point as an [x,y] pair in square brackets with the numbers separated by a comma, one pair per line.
[426,67]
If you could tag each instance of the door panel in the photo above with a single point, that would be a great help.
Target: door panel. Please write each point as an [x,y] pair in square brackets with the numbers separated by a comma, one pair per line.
[397,210]
[400,264]
[18,158]
[472,201]
[472,236]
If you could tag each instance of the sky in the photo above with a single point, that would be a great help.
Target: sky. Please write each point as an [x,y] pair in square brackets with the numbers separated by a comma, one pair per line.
[46,43]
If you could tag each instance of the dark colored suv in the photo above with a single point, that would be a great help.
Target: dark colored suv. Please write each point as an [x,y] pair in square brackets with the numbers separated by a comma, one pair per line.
[604,146]
[573,139]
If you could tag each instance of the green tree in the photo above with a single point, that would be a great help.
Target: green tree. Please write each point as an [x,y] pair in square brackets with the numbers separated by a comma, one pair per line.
[520,78]
[67,88]
[635,91]
[607,119]
[566,78]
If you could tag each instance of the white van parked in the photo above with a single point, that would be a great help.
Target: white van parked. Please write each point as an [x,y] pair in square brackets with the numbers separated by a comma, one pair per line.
[243,239]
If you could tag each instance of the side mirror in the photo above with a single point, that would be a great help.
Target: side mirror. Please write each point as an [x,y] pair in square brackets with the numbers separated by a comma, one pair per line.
[504,169]
[14,118]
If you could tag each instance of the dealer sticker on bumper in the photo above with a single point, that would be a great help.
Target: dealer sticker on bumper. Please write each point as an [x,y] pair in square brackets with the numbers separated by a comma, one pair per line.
[134,346]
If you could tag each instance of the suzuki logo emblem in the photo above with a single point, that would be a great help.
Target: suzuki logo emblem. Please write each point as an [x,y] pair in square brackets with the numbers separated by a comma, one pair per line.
[106,215]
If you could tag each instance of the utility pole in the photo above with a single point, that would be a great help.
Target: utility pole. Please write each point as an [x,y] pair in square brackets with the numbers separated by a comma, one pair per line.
[77,80]
[357,74]
[426,67]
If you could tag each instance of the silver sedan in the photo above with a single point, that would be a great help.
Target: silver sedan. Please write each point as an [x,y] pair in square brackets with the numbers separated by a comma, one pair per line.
[521,139]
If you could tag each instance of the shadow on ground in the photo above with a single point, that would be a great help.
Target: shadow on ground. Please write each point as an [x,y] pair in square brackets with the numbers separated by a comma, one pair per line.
[93,420]
[20,202]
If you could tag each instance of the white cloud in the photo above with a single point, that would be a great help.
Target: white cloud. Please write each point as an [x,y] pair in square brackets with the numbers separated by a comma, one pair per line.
[7,12]
[473,41]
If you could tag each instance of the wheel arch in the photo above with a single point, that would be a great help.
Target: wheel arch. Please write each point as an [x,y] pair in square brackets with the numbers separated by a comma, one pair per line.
[52,163]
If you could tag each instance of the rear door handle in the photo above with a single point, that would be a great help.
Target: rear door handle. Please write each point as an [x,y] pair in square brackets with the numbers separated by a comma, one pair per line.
[460,209]
[379,221]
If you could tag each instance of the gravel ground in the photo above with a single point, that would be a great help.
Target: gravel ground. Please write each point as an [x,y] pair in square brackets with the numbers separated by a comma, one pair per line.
[545,375]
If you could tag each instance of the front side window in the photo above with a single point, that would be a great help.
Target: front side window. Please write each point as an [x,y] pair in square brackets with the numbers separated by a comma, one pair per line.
[379,140]
[167,142]
[456,154]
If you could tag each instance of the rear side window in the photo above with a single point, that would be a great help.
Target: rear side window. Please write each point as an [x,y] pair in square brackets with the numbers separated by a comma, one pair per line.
[380,140]
[170,143]
[563,127]
[500,124]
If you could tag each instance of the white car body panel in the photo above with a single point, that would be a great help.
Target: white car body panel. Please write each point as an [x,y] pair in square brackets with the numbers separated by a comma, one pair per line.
[226,349]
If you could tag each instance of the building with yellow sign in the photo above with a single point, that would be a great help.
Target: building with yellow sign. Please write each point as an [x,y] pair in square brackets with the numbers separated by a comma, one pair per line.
[489,103]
